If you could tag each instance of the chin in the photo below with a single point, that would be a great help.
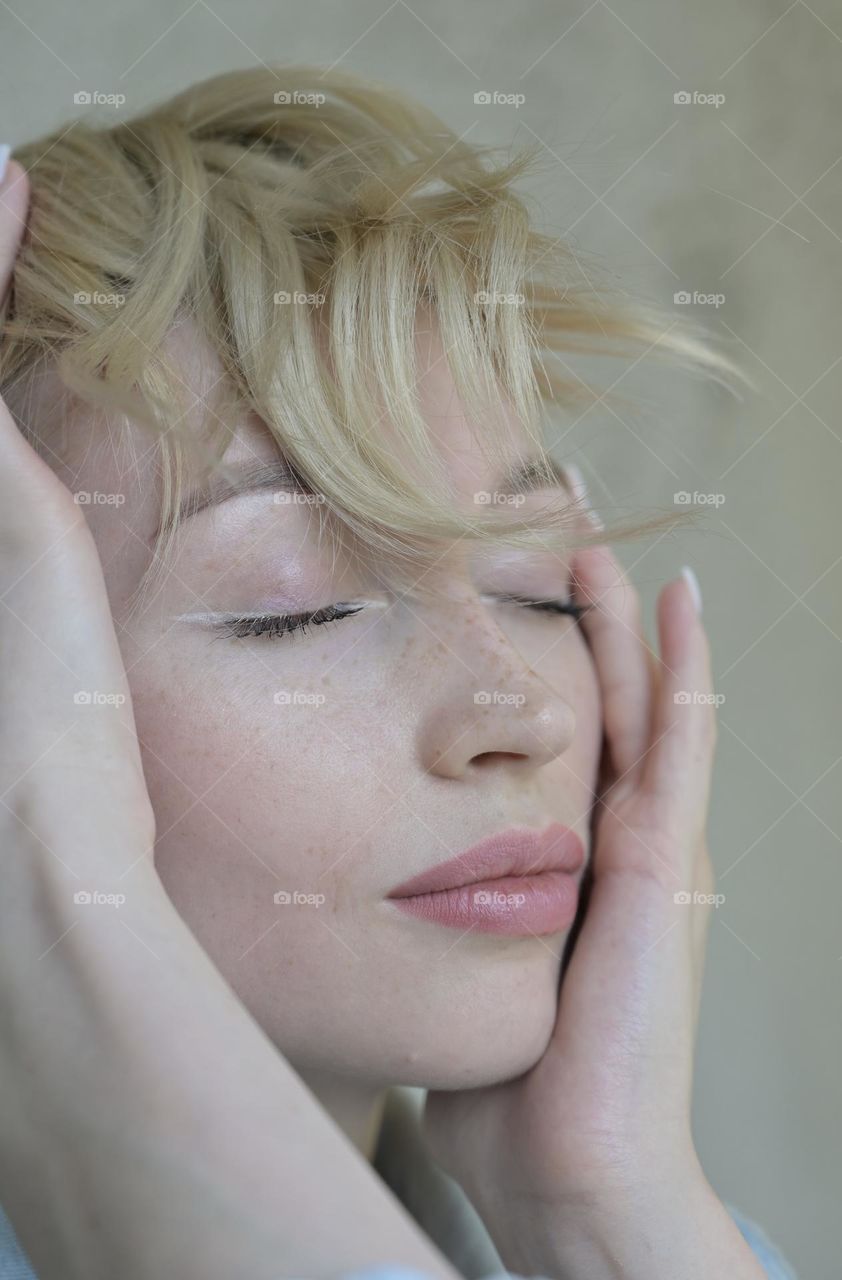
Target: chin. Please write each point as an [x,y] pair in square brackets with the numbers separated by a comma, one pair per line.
[468,1044]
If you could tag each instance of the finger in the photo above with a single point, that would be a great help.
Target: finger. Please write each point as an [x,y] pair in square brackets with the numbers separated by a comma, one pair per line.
[624,662]
[14,201]
[56,631]
[703,909]
[20,466]
[678,765]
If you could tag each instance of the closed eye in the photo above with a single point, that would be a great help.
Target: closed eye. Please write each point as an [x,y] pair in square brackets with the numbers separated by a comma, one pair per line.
[273,625]
[568,607]
[280,624]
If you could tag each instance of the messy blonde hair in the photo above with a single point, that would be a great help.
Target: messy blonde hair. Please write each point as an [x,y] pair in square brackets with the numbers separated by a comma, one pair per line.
[330,189]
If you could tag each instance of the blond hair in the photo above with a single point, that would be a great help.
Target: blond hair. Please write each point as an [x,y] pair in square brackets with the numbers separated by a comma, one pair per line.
[359,205]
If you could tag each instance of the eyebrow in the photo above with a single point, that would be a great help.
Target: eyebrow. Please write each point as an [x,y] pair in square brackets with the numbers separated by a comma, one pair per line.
[242,478]
[536,474]
[279,474]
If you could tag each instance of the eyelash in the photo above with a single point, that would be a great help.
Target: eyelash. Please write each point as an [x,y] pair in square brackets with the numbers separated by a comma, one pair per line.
[285,624]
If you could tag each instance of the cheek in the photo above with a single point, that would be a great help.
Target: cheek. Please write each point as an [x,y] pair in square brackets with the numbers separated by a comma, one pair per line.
[251,806]
[570,669]
[239,790]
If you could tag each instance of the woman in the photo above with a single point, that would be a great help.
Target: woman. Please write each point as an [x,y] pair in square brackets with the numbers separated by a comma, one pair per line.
[334,757]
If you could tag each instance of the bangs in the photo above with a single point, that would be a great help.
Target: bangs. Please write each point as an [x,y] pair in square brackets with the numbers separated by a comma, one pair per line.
[303,221]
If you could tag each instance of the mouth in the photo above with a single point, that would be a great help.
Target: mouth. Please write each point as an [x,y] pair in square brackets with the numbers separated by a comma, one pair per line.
[517,882]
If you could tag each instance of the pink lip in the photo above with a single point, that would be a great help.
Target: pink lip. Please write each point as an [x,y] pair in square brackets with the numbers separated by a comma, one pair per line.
[517,882]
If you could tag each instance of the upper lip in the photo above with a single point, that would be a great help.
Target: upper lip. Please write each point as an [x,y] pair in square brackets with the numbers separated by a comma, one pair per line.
[517,851]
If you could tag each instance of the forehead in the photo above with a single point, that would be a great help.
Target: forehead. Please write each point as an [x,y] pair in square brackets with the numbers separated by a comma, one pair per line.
[118,464]
[455,431]
[125,457]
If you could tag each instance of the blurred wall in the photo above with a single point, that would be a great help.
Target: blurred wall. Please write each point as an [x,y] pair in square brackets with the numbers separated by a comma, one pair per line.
[733,198]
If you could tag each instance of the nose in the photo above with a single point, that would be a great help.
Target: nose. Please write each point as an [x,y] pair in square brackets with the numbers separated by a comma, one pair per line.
[486,707]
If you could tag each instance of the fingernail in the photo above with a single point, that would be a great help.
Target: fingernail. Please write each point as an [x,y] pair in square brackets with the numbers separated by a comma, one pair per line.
[580,492]
[693,583]
[5,152]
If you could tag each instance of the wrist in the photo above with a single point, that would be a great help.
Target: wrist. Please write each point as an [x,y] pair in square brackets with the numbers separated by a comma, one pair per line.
[658,1225]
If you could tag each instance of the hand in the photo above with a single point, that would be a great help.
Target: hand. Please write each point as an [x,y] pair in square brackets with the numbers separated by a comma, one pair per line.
[148,1127]
[596,1137]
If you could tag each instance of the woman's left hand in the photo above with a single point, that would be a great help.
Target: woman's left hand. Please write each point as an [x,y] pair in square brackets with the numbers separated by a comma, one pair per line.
[589,1155]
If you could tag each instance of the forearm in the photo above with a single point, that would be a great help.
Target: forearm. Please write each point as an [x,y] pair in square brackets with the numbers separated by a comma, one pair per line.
[680,1231]
[132,1151]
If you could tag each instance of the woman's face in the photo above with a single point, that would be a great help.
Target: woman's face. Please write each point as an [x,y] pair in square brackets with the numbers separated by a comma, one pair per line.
[341,761]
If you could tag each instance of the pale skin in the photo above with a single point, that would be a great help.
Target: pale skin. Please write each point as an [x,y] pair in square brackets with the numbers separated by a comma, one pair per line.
[567,1122]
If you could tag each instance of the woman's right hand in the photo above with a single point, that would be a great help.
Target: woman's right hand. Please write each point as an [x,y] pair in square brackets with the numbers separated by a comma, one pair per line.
[59,648]
[149,1127]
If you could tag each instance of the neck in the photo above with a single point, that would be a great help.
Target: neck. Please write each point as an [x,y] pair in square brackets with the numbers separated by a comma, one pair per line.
[357,1109]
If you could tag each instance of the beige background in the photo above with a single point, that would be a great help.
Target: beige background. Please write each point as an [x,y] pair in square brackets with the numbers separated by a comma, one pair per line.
[741,199]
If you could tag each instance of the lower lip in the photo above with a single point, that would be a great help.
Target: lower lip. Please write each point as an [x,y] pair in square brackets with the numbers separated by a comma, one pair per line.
[515,905]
